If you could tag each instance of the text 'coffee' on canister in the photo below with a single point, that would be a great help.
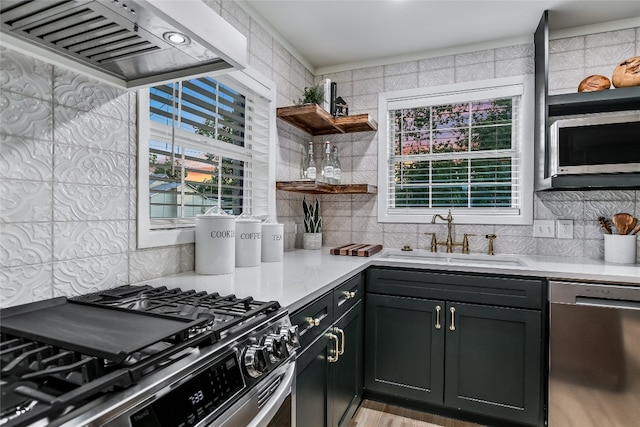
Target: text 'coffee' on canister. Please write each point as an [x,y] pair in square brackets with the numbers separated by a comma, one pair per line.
[215,242]
[248,238]
[272,241]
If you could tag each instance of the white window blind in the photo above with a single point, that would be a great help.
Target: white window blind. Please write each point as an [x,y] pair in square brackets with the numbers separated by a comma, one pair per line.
[460,150]
[208,144]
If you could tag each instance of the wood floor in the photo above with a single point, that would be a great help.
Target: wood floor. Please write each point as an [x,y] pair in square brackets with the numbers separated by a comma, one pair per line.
[376,414]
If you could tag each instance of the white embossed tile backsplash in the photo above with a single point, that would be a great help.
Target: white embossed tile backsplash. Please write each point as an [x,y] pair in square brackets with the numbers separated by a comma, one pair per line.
[68,165]
[67,186]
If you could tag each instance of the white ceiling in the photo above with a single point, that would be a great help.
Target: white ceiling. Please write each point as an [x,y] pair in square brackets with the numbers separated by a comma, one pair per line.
[329,34]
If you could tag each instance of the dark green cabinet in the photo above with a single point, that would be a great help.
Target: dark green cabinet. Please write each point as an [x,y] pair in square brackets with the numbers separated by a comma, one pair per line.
[493,361]
[467,355]
[329,379]
[404,351]
[313,403]
[347,372]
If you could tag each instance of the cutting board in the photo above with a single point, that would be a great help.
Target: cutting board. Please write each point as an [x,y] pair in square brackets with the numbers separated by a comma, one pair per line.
[356,249]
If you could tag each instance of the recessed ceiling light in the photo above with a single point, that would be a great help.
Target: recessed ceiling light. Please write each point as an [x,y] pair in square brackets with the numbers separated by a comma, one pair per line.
[176,38]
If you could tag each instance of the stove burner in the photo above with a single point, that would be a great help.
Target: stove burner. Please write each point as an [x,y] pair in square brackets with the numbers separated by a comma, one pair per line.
[42,380]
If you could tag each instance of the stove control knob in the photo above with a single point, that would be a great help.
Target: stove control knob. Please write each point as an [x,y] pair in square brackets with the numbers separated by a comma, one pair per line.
[291,333]
[256,360]
[276,347]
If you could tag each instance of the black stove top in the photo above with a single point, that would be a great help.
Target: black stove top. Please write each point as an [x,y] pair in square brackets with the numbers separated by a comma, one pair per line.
[65,351]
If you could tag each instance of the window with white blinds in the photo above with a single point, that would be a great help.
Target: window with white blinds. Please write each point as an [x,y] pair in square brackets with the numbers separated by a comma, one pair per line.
[459,147]
[208,144]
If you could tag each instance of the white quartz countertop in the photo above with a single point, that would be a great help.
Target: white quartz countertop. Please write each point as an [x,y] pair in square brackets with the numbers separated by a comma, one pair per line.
[305,275]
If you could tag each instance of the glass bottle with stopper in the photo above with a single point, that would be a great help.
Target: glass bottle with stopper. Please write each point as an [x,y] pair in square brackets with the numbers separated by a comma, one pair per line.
[304,164]
[327,165]
[311,167]
[337,168]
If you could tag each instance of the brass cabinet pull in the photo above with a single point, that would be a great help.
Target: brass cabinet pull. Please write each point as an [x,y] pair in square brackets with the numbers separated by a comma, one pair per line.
[341,332]
[452,327]
[313,322]
[333,359]
[438,308]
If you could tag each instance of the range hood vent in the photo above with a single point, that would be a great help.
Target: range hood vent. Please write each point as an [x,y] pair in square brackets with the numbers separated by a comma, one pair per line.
[131,44]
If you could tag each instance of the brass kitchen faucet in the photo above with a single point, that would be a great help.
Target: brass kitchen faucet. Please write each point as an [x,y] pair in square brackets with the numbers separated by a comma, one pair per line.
[449,243]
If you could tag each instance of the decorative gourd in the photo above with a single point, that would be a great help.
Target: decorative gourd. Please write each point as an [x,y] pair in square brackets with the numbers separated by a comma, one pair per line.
[627,73]
[594,83]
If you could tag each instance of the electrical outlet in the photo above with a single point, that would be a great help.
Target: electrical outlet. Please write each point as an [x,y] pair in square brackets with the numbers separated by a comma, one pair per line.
[565,228]
[544,228]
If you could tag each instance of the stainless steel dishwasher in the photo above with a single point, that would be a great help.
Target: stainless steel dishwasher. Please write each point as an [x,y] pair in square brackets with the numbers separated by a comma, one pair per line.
[594,354]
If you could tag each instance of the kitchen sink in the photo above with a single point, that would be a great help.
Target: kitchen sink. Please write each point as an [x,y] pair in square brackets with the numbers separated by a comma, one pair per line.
[443,258]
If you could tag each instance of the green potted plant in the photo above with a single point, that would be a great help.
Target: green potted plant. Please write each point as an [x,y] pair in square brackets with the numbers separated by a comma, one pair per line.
[312,238]
[312,95]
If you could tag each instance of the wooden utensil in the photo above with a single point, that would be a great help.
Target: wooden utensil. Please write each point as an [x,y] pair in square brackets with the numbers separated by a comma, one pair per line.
[604,223]
[636,229]
[623,222]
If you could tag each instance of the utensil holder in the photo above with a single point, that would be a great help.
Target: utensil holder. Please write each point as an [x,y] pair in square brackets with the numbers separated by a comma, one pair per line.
[620,249]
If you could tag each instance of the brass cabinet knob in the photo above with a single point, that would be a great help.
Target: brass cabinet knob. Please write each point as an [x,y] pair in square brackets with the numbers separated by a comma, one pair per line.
[349,294]
[313,321]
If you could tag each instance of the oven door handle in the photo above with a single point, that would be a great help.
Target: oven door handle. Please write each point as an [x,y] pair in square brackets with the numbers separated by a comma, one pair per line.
[269,410]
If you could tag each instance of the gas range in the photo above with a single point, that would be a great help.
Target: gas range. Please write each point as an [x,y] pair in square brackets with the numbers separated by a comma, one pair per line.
[117,357]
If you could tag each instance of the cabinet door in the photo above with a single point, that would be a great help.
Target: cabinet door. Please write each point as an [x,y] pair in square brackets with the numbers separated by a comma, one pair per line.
[404,347]
[493,361]
[313,405]
[347,371]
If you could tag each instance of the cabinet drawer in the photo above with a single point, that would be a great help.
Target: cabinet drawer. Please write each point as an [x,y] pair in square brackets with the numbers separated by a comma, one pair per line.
[474,287]
[313,319]
[347,295]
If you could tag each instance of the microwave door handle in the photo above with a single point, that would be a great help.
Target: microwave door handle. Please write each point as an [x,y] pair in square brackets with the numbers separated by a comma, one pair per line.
[553,155]
[269,410]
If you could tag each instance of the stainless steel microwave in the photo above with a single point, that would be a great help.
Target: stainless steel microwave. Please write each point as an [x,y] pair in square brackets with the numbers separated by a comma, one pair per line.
[602,143]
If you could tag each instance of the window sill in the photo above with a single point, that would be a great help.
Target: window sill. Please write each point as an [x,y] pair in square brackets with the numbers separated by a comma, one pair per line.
[157,238]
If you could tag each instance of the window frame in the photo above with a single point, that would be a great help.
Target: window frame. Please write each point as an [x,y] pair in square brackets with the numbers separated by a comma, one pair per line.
[147,237]
[455,93]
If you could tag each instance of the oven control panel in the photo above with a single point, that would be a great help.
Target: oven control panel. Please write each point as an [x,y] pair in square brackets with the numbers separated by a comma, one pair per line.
[194,399]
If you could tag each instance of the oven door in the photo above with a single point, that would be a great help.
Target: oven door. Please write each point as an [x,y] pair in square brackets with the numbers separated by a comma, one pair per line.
[270,404]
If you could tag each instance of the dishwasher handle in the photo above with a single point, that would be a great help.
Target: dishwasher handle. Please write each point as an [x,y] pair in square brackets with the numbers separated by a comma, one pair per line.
[618,296]
[608,303]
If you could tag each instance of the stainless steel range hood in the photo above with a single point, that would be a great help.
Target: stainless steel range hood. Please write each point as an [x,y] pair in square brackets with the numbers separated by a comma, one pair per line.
[130,44]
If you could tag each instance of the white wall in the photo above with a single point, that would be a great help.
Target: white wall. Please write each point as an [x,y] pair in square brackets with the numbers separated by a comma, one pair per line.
[349,219]
[68,174]
[68,166]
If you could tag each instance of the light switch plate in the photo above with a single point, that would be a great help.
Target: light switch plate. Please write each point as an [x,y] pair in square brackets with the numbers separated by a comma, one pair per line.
[565,228]
[544,228]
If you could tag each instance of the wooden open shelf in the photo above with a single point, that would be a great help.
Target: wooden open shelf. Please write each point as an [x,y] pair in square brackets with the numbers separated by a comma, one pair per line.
[315,120]
[311,187]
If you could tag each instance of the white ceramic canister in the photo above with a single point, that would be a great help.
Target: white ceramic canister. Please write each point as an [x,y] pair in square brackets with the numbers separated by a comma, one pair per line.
[215,242]
[620,249]
[272,241]
[248,241]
